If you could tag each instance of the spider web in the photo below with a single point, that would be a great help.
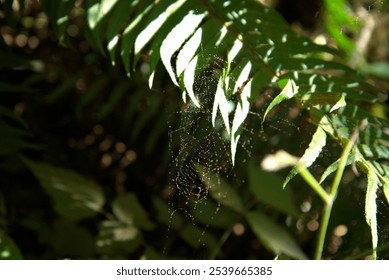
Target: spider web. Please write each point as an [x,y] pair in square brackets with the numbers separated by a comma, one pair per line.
[197,143]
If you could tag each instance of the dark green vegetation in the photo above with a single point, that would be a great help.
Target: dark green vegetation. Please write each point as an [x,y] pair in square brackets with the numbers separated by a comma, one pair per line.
[101,158]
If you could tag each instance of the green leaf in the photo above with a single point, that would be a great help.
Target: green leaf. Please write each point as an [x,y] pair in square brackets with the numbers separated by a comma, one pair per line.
[334,166]
[372,140]
[98,13]
[241,113]
[386,182]
[114,98]
[371,207]
[220,102]
[67,239]
[58,12]
[313,151]
[74,196]
[8,248]
[338,17]
[175,40]
[147,116]
[128,39]
[128,210]
[220,189]
[13,139]
[98,10]
[115,237]
[197,237]
[268,189]
[211,214]
[192,37]
[144,37]
[249,92]
[151,254]
[378,69]
[158,131]
[166,215]
[274,237]
[65,86]
[90,94]
[287,92]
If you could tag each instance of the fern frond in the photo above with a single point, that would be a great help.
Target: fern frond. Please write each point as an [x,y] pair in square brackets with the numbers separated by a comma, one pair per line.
[248,46]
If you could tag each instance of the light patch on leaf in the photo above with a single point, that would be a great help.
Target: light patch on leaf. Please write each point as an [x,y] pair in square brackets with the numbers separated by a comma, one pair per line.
[176,38]
[98,11]
[188,51]
[288,92]
[151,79]
[74,196]
[313,151]
[385,184]
[315,147]
[243,76]
[145,36]
[371,206]
[236,47]
[341,103]
[241,112]
[189,75]
[223,32]
[221,103]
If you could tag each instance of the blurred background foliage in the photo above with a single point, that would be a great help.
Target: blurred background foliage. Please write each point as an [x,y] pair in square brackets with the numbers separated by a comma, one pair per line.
[85,151]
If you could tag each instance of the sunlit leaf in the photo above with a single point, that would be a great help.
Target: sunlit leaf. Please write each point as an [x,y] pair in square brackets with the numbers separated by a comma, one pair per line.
[289,90]
[144,37]
[371,207]
[386,182]
[97,15]
[175,40]
[221,103]
[115,237]
[313,151]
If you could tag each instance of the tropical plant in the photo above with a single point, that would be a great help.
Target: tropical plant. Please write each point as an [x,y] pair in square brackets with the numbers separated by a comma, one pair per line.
[240,68]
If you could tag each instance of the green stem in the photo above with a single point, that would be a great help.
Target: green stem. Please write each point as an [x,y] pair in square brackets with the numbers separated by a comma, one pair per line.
[223,239]
[333,193]
[325,218]
[314,183]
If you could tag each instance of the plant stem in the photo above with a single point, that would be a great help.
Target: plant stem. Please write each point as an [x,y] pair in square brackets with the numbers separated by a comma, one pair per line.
[223,239]
[325,218]
[333,193]
[314,183]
